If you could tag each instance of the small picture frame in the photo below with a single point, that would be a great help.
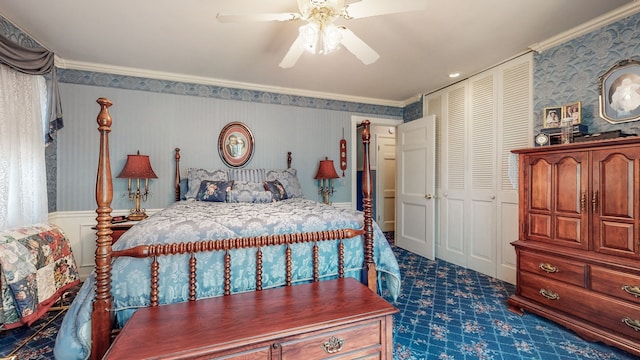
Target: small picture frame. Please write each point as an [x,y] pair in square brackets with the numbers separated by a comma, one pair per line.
[573,111]
[619,99]
[552,117]
[235,144]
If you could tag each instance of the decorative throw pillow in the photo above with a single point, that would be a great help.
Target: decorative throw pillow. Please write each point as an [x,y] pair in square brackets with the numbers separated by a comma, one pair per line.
[248,185]
[289,179]
[214,190]
[277,190]
[248,196]
[196,176]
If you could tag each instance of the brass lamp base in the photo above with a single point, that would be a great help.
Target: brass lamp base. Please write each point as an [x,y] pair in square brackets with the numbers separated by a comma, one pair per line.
[326,193]
[137,216]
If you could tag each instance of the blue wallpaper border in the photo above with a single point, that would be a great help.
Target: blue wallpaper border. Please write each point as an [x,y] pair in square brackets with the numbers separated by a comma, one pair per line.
[82,77]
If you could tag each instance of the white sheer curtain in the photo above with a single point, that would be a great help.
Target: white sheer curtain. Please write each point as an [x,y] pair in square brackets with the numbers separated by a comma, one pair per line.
[23,184]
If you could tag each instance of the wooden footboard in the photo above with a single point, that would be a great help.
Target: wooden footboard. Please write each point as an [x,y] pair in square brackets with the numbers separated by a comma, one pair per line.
[258,243]
[102,319]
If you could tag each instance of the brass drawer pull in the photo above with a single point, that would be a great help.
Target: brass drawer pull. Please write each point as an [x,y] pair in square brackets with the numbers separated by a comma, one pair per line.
[583,201]
[333,346]
[632,289]
[634,324]
[549,294]
[546,267]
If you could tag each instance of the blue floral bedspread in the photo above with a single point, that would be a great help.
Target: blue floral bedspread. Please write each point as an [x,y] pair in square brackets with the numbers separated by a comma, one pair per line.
[36,267]
[187,221]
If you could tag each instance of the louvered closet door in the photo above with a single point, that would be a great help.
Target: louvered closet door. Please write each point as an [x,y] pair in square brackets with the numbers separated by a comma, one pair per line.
[515,91]
[451,244]
[468,201]
[479,122]
[482,178]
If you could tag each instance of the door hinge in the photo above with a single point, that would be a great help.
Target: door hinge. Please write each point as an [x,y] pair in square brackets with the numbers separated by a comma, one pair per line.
[524,228]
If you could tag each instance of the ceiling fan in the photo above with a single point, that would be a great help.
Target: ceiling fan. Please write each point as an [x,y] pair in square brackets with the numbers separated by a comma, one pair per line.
[320,34]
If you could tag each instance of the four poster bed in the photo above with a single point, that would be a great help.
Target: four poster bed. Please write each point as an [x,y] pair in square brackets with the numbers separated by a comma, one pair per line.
[199,250]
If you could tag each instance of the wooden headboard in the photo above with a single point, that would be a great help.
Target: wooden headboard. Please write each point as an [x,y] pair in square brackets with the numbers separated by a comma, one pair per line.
[177,178]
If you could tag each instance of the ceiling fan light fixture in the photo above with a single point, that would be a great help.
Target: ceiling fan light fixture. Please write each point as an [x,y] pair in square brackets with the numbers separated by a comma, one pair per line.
[309,34]
[320,35]
[312,34]
[331,39]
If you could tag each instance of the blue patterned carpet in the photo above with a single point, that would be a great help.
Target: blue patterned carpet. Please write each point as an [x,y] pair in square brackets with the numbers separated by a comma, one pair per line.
[37,340]
[449,312]
[446,312]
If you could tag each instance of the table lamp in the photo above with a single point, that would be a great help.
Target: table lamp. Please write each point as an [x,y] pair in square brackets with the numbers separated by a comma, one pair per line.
[326,173]
[137,167]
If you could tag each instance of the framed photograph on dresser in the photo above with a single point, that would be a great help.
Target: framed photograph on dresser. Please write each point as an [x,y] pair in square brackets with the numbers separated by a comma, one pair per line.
[574,112]
[552,117]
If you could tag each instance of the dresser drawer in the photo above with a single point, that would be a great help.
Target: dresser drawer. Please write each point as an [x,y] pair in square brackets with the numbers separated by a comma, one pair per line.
[600,310]
[355,341]
[616,283]
[569,271]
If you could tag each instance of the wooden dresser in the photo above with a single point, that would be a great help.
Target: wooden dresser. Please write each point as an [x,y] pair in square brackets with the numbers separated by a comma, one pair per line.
[578,248]
[337,319]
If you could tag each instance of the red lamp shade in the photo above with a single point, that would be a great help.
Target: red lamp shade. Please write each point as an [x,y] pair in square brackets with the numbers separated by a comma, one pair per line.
[326,170]
[137,167]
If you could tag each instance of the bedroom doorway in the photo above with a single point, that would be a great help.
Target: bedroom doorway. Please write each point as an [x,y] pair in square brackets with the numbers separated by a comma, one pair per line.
[386,181]
[383,126]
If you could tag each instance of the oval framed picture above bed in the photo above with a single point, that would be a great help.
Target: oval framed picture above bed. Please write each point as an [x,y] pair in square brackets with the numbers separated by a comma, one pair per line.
[235,144]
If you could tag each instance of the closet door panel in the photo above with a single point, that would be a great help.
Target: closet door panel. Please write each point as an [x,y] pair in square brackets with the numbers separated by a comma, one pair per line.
[481,181]
[453,206]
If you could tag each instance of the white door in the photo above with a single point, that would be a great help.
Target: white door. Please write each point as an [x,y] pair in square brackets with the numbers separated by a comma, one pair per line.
[415,194]
[386,182]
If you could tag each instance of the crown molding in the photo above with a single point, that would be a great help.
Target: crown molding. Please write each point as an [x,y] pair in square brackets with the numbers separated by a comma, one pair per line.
[596,23]
[149,74]
[411,100]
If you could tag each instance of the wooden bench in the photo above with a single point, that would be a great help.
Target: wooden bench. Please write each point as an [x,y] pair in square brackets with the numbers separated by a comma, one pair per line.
[335,318]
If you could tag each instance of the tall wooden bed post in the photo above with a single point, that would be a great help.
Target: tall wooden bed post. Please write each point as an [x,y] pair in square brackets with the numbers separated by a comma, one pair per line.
[367,205]
[102,316]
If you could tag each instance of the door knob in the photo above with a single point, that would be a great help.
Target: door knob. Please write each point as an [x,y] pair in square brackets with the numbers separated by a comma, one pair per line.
[429,196]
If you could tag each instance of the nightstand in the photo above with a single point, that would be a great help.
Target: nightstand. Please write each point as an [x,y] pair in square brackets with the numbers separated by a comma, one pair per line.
[119,229]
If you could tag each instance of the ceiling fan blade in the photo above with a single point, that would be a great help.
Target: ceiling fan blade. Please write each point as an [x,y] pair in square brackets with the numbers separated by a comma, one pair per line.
[294,53]
[358,47]
[368,8]
[227,18]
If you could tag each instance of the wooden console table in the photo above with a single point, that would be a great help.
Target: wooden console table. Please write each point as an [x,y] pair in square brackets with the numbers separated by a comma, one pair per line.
[335,318]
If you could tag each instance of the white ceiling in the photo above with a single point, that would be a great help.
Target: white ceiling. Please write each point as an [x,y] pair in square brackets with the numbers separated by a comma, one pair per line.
[183,40]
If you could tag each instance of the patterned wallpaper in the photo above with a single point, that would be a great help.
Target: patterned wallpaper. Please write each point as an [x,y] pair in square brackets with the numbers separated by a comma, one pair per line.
[570,72]
[413,111]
